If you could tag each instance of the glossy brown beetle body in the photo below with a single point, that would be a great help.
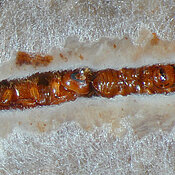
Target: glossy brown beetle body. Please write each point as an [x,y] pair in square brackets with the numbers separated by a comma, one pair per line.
[51,88]
[154,79]
[44,89]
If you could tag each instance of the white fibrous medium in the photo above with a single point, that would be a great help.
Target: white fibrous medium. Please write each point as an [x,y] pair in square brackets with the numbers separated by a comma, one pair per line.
[121,135]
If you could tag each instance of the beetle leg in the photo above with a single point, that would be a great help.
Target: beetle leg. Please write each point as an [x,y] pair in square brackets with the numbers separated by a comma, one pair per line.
[26,102]
[65,95]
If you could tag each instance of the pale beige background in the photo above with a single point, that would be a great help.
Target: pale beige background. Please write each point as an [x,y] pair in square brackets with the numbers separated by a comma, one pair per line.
[125,135]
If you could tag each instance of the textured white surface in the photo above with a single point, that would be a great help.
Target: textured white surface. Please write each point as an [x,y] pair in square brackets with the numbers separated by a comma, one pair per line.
[39,26]
[72,150]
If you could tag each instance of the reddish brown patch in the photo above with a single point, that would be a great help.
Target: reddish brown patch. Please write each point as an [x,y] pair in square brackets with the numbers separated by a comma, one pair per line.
[42,61]
[61,55]
[114,46]
[155,39]
[81,57]
[23,58]
[34,60]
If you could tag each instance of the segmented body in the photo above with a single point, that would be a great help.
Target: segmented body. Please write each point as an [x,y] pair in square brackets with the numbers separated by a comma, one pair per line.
[145,80]
[109,83]
[57,87]
[42,89]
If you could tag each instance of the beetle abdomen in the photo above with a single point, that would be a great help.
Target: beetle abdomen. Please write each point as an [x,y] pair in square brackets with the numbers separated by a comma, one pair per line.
[106,83]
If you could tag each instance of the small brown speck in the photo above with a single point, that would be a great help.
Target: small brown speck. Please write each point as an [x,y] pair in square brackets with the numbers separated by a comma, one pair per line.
[155,39]
[44,124]
[41,126]
[61,55]
[81,57]
[30,123]
[65,59]
[19,123]
[70,53]
[100,115]
[126,38]
[114,46]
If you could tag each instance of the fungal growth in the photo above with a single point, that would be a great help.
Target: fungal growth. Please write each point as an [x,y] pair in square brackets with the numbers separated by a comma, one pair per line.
[52,88]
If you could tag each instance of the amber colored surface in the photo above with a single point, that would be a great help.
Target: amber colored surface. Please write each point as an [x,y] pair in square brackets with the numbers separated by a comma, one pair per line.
[51,88]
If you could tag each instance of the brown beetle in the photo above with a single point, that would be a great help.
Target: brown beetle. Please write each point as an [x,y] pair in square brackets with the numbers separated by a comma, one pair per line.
[51,88]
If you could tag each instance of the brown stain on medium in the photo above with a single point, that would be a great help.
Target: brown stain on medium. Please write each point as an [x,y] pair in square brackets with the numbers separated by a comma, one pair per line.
[155,40]
[33,59]
[41,126]
[64,58]
[154,47]
[81,57]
